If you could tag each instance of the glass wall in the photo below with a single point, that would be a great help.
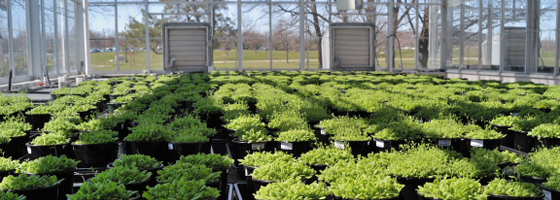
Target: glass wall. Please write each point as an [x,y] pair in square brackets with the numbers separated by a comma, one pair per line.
[4,44]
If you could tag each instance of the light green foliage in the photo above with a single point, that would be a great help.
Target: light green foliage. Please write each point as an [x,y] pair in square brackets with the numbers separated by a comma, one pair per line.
[142,162]
[326,156]
[546,131]
[187,171]
[474,168]
[366,187]
[423,161]
[25,182]
[553,182]
[292,189]
[46,109]
[5,140]
[11,133]
[296,136]
[504,120]
[48,164]
[404,129]
[182,190]
[512,188]
[17,123]
[189,137]
[281,171]
[453,189]
[443,128]
[485,134]
[288,120]
[253,135]
[351,170]
[215,161]
[97,137]
[122,175]
[495,155]
[7,164]
[246,123]
[257,159]
[102,190]
[50,139]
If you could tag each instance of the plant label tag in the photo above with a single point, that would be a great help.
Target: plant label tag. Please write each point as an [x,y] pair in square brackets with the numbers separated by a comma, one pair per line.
[170,146]
[515,114]
[246,172]
[28,150]
[257,146]
[286,146]
[547,195]
[379,144]
[339,144]
[477,143]
[323,132]
[444,143]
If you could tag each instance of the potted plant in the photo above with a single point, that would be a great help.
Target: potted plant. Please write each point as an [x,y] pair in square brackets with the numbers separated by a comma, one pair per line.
[96,148]
[552,187]
[7,167]
[18,132]
[39,115]
[281,171]
[502,124]
[366,187]
[295,141]
[521,128]
[140,161]
[548,134]
[446,133]
[287,120]
[61,167]
[209,111]
[182,189]
[64,124]
[131,177]
[292,189]
[484,138]
[393,134]
[352,138]
[188,171]
[189,141]
[48,144]
[502,158]
[33,187]
[452,189]
[484,170]
[103,190]
[150,139]
[320,158]
[504,189]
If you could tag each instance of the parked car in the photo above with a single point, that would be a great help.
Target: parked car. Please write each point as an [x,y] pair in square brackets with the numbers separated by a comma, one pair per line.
[95,50]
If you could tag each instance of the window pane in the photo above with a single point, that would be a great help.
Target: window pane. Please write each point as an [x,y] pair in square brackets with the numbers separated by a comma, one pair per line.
[20,37]
[4,45]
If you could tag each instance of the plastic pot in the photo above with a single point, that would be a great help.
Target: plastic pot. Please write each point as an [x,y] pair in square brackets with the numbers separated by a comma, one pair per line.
[38,121]
[523,142]
[156,149]
[340,198]
[44,193]
[16,147]
[241,149]
[534,180]
[258,183]
[357,147]
[111,107]
[503,197]
[318,168]
[95,155]
[507,141]
[410,187]
[7,173]
[294,148]
[550,142]
[447,143]
[387,145]
[550,193]
[36,151]
[185,149]
[212,120]
[487,144]
[85,114]
[66,186]
[321,135]
[427,198]
[140,187]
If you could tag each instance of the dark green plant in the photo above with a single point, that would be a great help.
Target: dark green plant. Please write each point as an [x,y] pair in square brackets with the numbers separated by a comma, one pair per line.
[25,182]
[187,171]
[140,161]
[102,190]
[123,175]
[182,189]
[48,164]
[6,195]
[149,132]
[292,189]
[453,189]
[189,138]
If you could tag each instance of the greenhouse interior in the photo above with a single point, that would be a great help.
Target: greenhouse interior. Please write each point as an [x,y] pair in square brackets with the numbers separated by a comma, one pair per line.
[325,99]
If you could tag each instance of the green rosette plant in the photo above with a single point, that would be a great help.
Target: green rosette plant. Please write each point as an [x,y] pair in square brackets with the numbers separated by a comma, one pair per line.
[25,182]
[140,161]
[258,159]
[215,161]
[149,132]
[16,123]
[296,136]
[553,182]
[9,133]
[292,189]
[102,190]
[474,168]
[546,131]
[246,123]
[512,188]
[444,129]
[123,175]
[46,109]
[485,134]
[97,137]
[189,138]
[48,164]
[496,156]
[453,189]
[364,166]
[253,136]
[366,187]
[326,156]
[504,120]
[50,139]
[423,161]
[187,171]
[288,120]
[182,189]
[6,195]
[280,171]
[7,164]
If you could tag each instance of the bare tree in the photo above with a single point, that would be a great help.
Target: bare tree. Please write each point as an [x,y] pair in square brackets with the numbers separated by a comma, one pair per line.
[284,34]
